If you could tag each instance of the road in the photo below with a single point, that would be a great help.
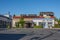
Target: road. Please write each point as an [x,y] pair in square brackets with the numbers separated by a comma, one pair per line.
[34,34]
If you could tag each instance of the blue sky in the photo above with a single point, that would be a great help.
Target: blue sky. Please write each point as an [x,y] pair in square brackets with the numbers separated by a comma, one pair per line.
[29,6]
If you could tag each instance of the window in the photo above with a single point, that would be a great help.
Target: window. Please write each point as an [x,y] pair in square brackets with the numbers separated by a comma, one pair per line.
[49,23]
[43,23]
[35,23]
[1,22]
[39,23]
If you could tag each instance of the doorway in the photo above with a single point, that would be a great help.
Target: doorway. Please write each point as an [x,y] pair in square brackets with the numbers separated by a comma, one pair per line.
[28,24]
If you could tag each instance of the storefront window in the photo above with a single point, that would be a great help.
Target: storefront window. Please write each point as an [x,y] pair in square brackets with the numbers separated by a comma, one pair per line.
[49,23]
[40,23]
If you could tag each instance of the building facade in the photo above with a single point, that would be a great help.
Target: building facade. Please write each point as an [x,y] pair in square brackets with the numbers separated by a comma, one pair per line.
[27,19]
[5,21]
[45,22]
[46,19]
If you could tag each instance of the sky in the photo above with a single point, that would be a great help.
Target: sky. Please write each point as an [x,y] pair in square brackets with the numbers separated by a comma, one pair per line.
[18,7]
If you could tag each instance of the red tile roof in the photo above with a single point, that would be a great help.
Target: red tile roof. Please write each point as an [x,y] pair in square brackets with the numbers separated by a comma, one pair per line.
[16,17]
[52,16]
[32,17]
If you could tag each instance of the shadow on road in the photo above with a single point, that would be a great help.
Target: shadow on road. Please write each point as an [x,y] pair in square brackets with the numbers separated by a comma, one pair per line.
[11,36]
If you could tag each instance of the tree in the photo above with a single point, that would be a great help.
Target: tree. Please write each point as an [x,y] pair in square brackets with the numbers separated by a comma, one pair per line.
[57,25]
[56,19]
[22,21]
[59,22]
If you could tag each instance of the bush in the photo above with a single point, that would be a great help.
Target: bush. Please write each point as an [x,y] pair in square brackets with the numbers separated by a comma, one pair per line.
[56,26]
[8,27]
[38,26]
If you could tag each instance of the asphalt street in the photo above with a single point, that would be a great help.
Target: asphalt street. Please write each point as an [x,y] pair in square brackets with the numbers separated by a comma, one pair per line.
[34,34]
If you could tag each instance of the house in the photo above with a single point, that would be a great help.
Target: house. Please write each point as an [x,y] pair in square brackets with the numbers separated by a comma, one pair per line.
[27,18]
[46,19]
[45,22]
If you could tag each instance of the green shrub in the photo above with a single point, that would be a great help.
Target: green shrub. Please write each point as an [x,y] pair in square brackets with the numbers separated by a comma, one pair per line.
[38,26]
[56,26]
[8,26]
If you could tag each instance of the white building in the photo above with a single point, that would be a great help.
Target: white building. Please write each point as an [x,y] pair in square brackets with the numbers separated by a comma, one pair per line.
[45,22]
